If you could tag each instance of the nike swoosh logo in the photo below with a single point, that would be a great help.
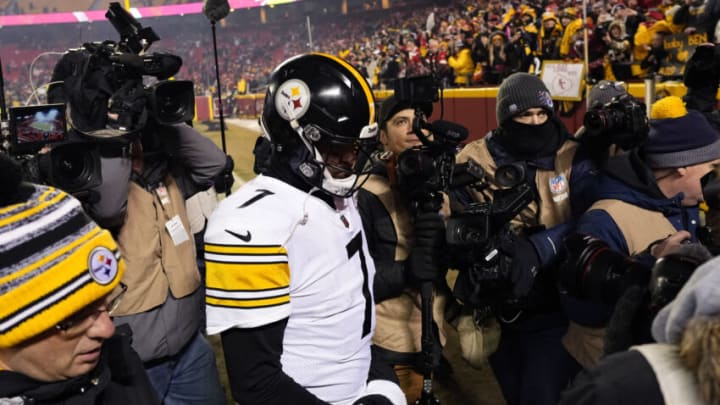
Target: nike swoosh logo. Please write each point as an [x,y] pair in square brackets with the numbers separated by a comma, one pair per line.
[244,238]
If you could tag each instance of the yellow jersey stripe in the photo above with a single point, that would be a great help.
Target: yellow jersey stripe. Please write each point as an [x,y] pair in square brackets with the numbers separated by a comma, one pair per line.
[245,250]
[363,82]
[247,276]
[249,304]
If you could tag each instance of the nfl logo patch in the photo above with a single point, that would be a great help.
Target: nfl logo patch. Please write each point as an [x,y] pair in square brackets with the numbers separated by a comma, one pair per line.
[558,184]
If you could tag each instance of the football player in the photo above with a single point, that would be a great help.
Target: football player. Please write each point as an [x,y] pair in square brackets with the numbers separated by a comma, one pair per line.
[289,277]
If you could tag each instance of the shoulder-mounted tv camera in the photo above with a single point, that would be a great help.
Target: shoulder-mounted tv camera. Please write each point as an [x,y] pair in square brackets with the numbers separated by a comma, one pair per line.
[473,237]
[98,103]
[424,172]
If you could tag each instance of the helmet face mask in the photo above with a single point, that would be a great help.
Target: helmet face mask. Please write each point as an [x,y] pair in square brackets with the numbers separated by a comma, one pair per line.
[320,112]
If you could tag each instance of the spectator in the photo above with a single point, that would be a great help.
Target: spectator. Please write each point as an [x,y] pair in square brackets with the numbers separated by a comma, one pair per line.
[60,285]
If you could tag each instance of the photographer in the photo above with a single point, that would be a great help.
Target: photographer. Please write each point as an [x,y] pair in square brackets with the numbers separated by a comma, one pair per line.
[406,251]
[531,364]
[148,169]
[644,196]
[679,369]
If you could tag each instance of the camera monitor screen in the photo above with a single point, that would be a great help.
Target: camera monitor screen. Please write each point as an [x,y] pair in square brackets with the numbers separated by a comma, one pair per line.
[34,126]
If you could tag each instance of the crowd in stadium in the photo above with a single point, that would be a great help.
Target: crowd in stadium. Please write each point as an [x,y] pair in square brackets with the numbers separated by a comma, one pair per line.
[469,43]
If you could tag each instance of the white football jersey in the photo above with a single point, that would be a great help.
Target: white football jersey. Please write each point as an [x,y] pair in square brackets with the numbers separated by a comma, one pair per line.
[274,252]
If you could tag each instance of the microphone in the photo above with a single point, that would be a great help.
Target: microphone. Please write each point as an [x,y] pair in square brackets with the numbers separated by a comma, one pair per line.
[216,10]
[449,130]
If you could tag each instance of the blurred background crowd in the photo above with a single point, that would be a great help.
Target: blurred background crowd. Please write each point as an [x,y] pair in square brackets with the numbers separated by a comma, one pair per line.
[464,42]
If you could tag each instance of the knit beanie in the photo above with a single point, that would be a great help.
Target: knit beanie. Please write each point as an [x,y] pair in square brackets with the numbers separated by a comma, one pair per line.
[679,137]
[54,261]
[700,296]
[392,106]
[519,92]
[604,91]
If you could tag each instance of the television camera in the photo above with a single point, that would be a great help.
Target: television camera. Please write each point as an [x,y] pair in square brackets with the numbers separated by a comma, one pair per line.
[426,171]
[98,91]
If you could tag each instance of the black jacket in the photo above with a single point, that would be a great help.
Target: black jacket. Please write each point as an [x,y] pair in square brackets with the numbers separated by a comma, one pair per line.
[622,378]
[118,379]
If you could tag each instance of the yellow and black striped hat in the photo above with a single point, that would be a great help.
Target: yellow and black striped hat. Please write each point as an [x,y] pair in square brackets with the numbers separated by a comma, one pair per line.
[54,261]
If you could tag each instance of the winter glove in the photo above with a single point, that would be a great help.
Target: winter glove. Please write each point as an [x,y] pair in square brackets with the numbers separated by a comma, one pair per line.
[426,258]
[521,262]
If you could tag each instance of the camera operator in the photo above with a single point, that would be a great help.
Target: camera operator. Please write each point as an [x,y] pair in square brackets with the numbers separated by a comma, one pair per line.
[679,369]
[406,252]
[531,364]
[61,277]
[644,196]
[148,171]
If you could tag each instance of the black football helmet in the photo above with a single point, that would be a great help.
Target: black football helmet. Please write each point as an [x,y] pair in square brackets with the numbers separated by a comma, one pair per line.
[317,105]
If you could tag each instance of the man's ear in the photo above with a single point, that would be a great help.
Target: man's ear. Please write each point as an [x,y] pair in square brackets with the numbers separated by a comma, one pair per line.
[681,171]
[383,137]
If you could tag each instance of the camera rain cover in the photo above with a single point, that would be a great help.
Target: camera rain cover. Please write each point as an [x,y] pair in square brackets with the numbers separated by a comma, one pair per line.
[89,84]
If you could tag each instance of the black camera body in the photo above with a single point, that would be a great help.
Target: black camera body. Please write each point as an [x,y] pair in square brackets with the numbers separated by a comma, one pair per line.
[425,172]
[473,237]
[622,121]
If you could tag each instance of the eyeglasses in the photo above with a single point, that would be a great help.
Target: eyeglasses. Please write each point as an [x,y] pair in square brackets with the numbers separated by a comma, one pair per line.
[81,320]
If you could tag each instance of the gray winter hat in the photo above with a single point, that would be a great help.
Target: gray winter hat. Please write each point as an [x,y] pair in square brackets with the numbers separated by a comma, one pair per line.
[700,296]
[519,92]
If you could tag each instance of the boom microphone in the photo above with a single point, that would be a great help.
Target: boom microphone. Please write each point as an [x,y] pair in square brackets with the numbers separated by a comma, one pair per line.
[216,10]
[449,130]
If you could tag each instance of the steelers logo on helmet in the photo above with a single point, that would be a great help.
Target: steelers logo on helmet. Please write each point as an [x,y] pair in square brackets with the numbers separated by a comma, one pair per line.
[319,112]
[292,99]
[102,265]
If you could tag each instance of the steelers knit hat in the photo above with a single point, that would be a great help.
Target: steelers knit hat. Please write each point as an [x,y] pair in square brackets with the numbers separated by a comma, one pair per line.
[54,261]
[679,137]
[519,92]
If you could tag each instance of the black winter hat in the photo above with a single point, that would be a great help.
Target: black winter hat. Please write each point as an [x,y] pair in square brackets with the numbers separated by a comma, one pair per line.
[392,106]
[519,92]
[679,137]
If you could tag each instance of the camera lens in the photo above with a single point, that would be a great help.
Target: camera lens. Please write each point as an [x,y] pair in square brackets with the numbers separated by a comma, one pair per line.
[72,168]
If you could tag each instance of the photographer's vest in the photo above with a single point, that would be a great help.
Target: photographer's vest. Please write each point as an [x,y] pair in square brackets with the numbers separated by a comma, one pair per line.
[158,257]
[639,227]
[398,326]
[553,187]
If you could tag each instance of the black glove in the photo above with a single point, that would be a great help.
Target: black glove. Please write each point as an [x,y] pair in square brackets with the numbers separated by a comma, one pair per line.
[426,258]
[522,260]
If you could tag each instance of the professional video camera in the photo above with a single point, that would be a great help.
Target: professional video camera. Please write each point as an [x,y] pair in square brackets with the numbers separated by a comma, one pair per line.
[474,236]
[97,91]
[622,121]
[426,171]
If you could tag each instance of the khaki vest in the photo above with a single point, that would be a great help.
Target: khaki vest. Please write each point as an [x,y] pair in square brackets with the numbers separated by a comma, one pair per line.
[640,228]
[154,263]
[399,320]
[553,186]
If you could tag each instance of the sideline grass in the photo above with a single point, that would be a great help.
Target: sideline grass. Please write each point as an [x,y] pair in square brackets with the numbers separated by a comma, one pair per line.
[239,142]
